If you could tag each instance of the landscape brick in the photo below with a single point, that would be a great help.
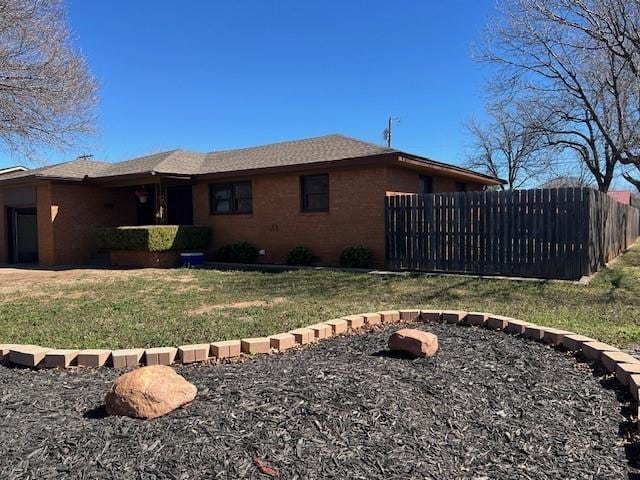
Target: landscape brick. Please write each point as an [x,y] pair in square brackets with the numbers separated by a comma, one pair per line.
[303,336]
[478,319]
[194,353]
[609,360]
[454,316]
[497,322]
[27,355]
[554,336]
[372,318]
[518,327]
[574,342]
[409,315]
[625,370]
[593,350]
[255,345]
[634,384]
[60,358]
[390,316]
[320,330]
[127,358]
[225,349]
[431,316]
[354,321]
[282,341]
[5,348]
[160,355]
[533,332]
[338,326]
[93,357]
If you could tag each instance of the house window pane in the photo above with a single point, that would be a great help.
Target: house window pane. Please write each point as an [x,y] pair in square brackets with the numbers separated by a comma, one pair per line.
[315,193]
[223,206]
[231,198]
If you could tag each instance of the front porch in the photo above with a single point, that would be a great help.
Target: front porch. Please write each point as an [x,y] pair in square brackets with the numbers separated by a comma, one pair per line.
[163,203]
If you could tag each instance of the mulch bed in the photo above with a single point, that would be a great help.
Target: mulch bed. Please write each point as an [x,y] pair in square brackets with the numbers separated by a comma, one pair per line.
[488,406]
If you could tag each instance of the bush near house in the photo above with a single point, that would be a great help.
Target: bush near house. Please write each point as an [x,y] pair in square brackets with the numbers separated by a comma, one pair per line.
[154,238]
[241,252]
[357,256]
[300,256]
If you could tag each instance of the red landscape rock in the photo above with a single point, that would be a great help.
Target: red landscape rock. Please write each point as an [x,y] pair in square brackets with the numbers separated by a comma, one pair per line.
[149,392]
[414,342]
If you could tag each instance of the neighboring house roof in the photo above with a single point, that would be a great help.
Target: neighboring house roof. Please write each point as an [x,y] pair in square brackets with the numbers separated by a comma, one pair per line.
[182,162]
[622,196]
[564,182]
[74,170]
[8,170]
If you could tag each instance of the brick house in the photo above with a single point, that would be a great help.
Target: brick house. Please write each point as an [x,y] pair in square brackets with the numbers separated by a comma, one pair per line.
[325,193]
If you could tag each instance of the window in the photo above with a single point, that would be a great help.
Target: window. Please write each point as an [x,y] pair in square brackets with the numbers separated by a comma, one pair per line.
[231,198]
[314,192]
[426,184]
[461,187]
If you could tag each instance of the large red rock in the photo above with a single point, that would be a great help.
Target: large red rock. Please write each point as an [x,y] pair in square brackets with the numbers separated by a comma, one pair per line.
[149,392]
[415,343]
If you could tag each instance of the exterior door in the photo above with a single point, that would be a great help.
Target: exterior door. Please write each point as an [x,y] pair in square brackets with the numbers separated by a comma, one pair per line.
[179,205]
[24,232]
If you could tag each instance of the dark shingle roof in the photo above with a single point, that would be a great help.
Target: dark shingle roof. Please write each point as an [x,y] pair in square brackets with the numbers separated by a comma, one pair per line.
[175,161]
[328,148]
[299,152]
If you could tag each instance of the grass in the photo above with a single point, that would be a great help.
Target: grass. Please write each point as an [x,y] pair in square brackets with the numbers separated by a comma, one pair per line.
[151,308]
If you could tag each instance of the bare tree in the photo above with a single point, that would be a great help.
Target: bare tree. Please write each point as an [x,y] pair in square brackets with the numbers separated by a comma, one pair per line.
[614,24]
[507,146]
[46,92]
[586,93]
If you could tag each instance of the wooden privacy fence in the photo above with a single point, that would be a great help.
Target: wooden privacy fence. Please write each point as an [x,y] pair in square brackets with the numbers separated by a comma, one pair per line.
[551,233]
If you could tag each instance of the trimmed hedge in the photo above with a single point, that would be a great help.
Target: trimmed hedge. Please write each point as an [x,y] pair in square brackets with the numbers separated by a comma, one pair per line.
[357,256]
[154,238]
[300,256]
[241,252]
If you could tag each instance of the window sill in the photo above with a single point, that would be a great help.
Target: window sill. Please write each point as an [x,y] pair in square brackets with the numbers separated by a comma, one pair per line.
[232,214]
[314,213]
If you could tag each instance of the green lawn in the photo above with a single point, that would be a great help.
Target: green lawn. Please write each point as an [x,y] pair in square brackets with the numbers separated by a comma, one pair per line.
[156,308]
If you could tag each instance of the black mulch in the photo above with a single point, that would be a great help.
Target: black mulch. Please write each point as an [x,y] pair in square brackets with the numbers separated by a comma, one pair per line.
[488,406]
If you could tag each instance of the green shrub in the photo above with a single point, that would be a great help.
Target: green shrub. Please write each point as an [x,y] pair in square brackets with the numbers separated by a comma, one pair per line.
[241,252]
[357,256]
[154,238]
[300,256]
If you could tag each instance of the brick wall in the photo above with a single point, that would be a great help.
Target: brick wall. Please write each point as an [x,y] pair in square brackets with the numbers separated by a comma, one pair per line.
[356,216]
[67,228]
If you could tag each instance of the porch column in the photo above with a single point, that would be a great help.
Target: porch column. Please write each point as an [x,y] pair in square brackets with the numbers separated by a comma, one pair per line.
[161,203]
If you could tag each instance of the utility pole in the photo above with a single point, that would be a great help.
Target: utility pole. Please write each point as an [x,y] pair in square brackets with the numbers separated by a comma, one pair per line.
[388,132]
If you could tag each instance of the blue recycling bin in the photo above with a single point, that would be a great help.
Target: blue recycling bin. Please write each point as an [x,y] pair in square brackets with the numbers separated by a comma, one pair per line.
[190,260]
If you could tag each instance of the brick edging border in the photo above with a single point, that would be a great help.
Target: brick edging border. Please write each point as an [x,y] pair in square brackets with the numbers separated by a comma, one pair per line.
[625,367]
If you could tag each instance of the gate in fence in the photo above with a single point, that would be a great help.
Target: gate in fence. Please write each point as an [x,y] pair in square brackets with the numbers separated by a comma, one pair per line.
[546,233]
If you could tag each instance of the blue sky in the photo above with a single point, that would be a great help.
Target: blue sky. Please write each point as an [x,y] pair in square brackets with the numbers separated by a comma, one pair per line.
[211,75]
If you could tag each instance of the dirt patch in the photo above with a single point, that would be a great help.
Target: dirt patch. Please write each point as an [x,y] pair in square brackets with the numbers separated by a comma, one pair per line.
[18,279]
[204,309]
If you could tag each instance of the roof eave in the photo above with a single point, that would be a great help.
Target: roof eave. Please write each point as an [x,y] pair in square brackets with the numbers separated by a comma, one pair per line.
[416,160]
